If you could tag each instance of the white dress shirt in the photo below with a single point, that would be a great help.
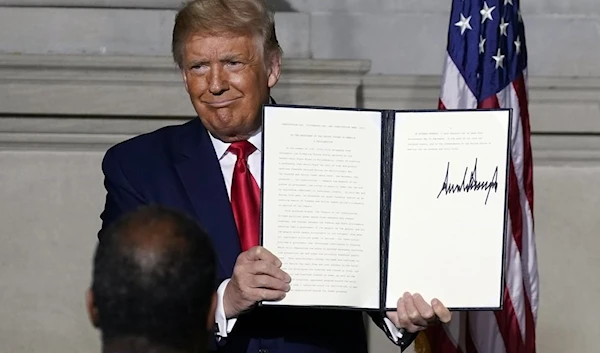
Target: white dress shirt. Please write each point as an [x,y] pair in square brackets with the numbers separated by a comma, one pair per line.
[227,161]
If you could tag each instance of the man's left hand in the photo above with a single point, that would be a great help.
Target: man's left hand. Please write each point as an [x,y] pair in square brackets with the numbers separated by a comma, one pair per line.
[414,314]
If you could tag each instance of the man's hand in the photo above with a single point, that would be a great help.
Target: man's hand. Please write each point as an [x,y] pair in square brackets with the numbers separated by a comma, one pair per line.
[257,276]
[414,314]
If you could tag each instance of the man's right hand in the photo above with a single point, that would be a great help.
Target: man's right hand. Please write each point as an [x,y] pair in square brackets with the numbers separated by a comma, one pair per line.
[257,276]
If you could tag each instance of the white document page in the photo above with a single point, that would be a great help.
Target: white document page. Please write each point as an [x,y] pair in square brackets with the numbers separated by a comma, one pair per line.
[321,194]
[448,207]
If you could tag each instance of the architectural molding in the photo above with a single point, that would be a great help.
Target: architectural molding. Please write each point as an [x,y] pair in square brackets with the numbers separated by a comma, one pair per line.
[108,30]
[97,133]
[565,105]
[160,69]
[150,86]
[564,112]
[136,4]
[74,132]
[92,102]
[565,150]
[276,5]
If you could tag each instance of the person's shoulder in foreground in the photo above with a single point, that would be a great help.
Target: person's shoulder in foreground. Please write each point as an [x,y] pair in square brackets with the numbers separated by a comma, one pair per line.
[153,284]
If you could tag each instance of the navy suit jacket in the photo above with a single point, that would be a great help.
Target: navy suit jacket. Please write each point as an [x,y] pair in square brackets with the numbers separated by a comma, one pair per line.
[176,166]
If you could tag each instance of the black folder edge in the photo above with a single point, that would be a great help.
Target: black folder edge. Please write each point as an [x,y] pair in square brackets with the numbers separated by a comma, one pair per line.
[388,124]
[387,147]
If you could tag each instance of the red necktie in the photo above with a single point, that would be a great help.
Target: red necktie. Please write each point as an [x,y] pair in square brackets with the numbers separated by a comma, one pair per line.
[245,196]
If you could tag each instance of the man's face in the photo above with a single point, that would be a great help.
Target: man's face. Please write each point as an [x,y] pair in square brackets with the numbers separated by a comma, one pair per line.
[228,79]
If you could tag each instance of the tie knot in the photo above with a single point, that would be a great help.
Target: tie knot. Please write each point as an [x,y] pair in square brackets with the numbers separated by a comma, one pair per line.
[242,149]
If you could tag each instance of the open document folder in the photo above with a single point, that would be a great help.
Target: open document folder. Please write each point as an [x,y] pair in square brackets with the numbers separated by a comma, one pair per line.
[364,205]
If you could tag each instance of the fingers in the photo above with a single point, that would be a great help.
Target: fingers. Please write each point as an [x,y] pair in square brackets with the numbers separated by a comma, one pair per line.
[405,309]
[414,309]
[267,294]
[426,312]
[441,311]
[257,276]
[258,269]
[268,282]
[261,267]
[414,314]
[260,253]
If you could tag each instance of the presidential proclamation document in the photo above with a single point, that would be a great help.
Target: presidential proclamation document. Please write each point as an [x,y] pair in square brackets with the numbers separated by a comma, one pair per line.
[448,207]
[362,206]
[321,203]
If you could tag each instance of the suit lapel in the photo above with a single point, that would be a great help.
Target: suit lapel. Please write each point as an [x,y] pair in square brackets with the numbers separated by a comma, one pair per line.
[200,173]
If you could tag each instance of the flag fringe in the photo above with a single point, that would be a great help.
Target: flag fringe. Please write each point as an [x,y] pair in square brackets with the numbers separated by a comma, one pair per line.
[422,343]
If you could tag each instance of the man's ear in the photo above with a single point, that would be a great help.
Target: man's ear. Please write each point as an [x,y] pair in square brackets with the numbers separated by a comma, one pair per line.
[273,68]
[91,308]
[210,323]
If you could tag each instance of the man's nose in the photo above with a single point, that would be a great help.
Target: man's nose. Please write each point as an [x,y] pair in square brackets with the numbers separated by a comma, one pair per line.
[218,80]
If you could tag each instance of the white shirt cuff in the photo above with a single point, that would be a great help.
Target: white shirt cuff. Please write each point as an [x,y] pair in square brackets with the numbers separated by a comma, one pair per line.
[224,326]
[396,334]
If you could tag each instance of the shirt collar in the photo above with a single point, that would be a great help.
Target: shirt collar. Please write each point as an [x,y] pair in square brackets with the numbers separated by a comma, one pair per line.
[221,147]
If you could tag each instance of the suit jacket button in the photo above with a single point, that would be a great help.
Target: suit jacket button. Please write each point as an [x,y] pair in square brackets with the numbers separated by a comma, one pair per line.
[263,351]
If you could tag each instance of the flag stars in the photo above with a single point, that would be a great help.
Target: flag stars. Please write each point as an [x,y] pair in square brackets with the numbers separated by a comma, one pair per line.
[486,12]
[481,44]
[463,23]
[518,45]
[503,27]
[506,2]
[499,59]
[519,15]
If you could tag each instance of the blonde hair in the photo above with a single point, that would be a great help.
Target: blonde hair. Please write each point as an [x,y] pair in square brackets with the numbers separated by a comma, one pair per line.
[214,17]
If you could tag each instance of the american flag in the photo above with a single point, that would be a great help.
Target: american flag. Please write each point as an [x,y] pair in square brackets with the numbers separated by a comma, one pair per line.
[486,67]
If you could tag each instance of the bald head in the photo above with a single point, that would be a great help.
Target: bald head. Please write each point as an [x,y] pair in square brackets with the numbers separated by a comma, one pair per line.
[151,237]
[154,279]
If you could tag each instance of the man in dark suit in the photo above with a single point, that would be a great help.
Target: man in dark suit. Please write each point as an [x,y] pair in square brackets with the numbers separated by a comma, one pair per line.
[153,287]
[229,58]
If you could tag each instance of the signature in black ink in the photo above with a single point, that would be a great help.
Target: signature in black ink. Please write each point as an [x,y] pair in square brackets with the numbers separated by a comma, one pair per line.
[472,184]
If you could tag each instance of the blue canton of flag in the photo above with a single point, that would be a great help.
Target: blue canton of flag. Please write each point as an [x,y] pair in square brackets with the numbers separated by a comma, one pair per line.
[486,41]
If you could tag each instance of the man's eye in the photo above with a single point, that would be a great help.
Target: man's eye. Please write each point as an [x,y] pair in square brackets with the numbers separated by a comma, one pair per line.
[234,63]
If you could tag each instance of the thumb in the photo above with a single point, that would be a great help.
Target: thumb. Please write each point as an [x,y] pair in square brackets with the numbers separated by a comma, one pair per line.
[441,311]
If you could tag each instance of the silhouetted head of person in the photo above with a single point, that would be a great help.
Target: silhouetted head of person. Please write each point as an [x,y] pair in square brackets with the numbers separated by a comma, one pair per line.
[153,287]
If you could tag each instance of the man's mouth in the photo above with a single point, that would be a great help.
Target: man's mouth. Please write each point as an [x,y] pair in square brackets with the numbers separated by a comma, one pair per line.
[221,103]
